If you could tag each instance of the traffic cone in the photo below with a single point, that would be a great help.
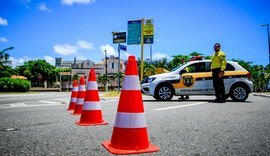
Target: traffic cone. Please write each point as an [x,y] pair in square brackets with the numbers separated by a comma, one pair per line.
[91,111]
[74,95]
[80,98]
[130,133]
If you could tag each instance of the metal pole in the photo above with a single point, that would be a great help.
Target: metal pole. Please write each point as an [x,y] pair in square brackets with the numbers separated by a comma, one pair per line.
[106,71]
[118,68]
[268,39]
[60,83]
[142,40]
[268,42]
[150,53]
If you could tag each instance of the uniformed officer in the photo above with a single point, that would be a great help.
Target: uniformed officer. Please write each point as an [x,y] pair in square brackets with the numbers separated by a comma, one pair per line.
[218,66]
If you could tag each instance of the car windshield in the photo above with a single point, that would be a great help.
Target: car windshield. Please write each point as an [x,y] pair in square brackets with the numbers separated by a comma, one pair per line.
[174,69]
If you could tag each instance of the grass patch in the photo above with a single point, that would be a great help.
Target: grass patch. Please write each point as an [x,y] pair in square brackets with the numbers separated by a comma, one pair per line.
[111,94]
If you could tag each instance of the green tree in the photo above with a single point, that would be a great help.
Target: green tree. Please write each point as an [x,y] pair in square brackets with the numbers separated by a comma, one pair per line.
[192,54]
[33,68]
[176,61]
[148,69]
[115,77]
[4,57]
[103,79]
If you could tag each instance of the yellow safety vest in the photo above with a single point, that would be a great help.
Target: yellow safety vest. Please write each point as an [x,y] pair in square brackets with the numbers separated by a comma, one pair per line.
[219,60]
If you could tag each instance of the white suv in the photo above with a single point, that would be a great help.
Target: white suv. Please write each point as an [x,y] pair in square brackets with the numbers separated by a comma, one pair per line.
[195,78]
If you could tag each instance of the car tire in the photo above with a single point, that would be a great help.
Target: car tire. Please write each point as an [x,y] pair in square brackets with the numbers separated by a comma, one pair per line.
[239,93]
[164,92]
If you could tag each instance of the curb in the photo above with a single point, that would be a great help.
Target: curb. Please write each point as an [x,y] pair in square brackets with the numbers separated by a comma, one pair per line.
[262,95]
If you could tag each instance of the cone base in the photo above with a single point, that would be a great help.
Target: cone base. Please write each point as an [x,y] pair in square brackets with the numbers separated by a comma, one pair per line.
[71,107]
[91,124]
[75,113]
[151,148]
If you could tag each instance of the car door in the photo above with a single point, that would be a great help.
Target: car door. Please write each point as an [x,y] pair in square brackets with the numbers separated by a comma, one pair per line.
[194,81]
[228,79]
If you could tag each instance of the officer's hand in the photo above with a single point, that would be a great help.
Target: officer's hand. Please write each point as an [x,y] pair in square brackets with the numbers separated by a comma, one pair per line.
[221,74]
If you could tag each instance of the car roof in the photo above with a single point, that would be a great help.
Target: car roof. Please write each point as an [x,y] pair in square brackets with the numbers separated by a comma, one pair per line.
[235,64]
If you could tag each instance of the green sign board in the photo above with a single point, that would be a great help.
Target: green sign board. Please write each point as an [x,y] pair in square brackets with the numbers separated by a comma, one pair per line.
[134,32]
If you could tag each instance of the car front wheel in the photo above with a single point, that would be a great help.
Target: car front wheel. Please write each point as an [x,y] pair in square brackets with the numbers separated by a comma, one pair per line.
[164,93]
[239,93]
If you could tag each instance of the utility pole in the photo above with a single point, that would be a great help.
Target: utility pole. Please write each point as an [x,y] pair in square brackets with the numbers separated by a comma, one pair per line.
[106,71]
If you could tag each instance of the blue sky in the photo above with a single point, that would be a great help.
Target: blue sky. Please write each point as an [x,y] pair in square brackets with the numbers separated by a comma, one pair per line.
[82,28]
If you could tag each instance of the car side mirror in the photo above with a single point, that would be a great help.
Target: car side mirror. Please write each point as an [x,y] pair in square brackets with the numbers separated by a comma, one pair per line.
[183,71]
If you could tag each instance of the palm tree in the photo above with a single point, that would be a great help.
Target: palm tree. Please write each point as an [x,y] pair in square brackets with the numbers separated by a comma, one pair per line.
[4,57]
[115,77]
[149,69]
[103,79]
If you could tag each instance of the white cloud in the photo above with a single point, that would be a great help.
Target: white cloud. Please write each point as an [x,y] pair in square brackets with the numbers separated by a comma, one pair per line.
[65,49]
[70,2]
[126,54]
[26,3]
[3,21]
[3,39]
[18,62]
[43,7]
[158,56]
[50,60]
[80,57]
[85,44]
[109,49]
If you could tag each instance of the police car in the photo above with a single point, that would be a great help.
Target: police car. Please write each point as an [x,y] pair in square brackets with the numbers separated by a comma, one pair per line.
[195,78]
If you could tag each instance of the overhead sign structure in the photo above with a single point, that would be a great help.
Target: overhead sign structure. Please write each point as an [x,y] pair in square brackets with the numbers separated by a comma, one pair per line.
[119,37]
[134,32]
[148,31]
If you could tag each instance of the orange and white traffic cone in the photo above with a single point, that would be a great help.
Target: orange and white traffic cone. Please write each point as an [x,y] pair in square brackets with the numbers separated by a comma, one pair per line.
[130,133]
[80,98]
[91,111]
[74,95]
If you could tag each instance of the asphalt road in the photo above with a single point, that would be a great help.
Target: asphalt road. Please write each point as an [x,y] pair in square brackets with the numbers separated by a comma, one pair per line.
[38,124]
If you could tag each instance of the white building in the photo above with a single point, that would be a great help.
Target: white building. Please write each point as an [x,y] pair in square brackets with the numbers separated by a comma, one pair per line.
[82,68]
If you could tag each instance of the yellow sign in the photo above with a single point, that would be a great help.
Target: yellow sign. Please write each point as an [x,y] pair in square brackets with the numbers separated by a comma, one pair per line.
[148,28]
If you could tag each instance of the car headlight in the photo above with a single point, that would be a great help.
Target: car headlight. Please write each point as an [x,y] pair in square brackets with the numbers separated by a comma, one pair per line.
[149,80]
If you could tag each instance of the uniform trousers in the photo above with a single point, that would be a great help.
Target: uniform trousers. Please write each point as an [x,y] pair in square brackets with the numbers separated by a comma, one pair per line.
[218,84]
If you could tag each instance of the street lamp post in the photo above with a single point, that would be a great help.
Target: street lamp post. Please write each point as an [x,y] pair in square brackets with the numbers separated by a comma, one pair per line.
[106,71]
[267,25]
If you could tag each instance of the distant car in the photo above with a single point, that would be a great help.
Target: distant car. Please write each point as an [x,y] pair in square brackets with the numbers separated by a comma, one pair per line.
[195,78]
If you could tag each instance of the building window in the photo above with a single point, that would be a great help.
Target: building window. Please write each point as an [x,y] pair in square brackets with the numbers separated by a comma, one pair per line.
[112,65]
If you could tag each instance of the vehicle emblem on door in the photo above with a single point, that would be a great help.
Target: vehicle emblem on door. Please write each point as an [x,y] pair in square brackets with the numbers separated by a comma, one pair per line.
[188,80]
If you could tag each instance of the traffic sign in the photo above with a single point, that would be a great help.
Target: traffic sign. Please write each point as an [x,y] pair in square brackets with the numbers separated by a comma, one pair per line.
[122,47]
[119,37]
[148,39]
[134,32]
[148,27]
[148,31]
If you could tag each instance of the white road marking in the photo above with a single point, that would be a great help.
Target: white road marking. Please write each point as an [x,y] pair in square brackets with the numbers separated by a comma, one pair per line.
[48,102]
[40,103]
[17,105]
[181,106]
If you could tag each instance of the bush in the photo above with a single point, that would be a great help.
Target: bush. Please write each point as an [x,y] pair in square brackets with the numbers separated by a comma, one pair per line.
[8,84]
